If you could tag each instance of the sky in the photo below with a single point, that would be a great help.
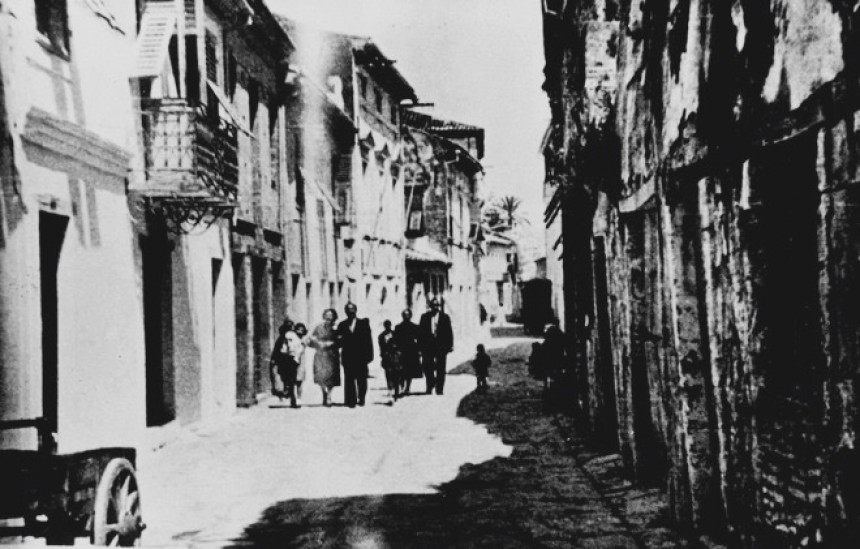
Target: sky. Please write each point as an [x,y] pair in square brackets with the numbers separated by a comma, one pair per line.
[479,61]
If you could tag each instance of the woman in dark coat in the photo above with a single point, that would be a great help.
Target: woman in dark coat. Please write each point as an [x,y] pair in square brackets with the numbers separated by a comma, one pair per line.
[283,363]
[407,339]
[390,358]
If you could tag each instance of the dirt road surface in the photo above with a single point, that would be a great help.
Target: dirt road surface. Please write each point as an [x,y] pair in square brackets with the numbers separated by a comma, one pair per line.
[457,470]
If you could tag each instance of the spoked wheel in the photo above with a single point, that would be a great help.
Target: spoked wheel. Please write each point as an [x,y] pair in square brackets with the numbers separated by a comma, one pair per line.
[116,515]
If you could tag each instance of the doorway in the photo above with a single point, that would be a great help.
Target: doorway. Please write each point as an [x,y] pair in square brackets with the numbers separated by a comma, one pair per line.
[607,421]
[261,292]
[52,233]
[644,257]
[158,327]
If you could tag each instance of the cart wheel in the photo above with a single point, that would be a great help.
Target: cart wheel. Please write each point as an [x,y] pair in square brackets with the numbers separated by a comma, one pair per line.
[116,513]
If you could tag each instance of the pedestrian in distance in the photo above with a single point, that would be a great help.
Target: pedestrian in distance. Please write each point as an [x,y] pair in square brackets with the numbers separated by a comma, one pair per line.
[277,358]
[285,360]
[552,364]
[535,362]
[481,365]
[298,350]
[356,352]
[390,359]
[437,340]
[326,359]
[407,337]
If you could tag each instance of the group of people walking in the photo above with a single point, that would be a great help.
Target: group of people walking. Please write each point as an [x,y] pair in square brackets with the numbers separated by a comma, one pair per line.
[407,351]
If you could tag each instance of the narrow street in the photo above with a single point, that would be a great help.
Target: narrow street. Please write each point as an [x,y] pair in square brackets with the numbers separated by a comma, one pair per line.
[459,470]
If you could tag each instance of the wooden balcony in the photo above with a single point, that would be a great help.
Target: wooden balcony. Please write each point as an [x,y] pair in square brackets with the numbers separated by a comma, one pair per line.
[190,155]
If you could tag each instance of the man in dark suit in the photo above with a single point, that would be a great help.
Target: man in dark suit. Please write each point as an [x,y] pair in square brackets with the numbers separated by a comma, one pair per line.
[407,337]
[437,340]
[356,352]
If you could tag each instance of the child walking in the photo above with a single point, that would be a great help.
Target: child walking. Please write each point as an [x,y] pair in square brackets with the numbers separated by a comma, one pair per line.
[481,364]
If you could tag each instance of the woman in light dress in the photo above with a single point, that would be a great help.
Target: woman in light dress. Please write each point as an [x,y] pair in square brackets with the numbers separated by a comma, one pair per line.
[297,349]
[327,358]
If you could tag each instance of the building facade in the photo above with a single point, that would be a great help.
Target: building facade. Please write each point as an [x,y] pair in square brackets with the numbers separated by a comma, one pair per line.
[208,197]
[709,253]
[499,277]
[553,217]
[65,236]
[178,178]
[322,143]
[443,174]
[368,189]
[378,254]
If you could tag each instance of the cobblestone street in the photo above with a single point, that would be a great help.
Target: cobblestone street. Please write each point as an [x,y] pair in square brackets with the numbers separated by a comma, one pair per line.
[460,470]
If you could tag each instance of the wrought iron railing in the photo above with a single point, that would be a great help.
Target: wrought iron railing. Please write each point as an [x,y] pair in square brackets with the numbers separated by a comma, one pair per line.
[189,151]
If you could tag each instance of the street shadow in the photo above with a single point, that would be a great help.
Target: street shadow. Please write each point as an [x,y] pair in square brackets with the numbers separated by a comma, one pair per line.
[537,497]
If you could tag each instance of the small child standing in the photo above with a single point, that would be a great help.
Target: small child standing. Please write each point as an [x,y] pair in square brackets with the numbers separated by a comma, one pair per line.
[481,364]
[535,362]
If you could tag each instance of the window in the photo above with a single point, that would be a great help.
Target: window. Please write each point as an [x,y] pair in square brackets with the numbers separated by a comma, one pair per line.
[379,100]
[394,113]
[344,204]
[362,85]
[416,220]
[275,146]
[298,177]
[232,75]
[450,217]
[464,227]
[211,44]
[474,231]
[52,22]
[253,100]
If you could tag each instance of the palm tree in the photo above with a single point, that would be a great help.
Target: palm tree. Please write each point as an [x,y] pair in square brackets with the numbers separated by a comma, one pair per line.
[509,207]
[491,218]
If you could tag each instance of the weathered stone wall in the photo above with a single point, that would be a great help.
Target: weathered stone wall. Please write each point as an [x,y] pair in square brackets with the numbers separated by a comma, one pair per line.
[724,259]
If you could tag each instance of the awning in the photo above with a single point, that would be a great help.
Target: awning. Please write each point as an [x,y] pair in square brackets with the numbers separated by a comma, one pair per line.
[426,256]
[227,106]
[156,28]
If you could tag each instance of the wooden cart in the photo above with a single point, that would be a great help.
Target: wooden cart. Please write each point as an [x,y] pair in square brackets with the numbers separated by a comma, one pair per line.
[63,496]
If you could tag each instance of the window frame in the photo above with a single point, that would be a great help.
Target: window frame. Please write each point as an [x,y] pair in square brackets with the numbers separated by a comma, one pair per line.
[52,26]
[379,100]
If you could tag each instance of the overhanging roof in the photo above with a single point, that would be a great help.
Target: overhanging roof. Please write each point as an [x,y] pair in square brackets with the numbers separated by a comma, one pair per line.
[445,128]
[381,68]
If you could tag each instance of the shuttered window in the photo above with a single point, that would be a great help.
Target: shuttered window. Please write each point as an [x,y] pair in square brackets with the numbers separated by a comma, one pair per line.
[211,57]
[275,145]
[298,177]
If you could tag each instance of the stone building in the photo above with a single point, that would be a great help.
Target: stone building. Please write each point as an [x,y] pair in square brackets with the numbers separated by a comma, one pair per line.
[368,189]
[378,254]
[443,174]
[67,261]
[208,196]
[553,216]
[252,68]
[322,142]
[710,253]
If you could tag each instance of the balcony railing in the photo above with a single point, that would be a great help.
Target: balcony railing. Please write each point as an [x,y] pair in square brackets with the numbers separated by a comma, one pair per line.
[189,152]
